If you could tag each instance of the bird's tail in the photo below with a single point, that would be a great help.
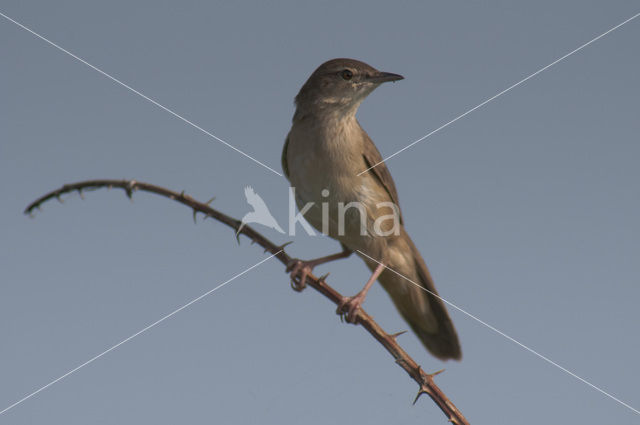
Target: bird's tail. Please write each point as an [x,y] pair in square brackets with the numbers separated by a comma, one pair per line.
[425,313]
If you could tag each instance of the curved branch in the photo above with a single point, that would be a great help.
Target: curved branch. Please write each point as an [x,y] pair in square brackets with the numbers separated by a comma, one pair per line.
[424,380]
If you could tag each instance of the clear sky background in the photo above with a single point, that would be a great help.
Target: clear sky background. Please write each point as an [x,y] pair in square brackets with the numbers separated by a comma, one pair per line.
[525,210]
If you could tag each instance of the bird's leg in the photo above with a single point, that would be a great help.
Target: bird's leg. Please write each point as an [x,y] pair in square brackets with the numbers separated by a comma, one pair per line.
[349,305]
[301,269]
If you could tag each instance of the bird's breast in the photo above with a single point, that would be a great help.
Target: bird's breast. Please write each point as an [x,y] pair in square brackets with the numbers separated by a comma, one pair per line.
[324,163]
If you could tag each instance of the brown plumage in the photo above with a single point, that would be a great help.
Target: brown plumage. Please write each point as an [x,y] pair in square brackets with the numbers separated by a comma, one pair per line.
[324,151]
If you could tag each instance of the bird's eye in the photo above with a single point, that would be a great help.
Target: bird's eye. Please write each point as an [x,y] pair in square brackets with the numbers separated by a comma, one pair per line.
[346,74]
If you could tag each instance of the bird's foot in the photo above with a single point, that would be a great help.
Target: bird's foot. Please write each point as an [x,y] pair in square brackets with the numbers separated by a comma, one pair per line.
[299,271]
[349,306]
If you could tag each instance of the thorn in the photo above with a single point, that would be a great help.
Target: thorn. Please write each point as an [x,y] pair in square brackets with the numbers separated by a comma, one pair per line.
[194,216]
[253,241]
[238,237]
[397,334]
[436,373]
[59,198]
[129,189]
[281,247]
[239,229]
[322,279]
[182,194]
[210,201]
[80,193]
[420,392]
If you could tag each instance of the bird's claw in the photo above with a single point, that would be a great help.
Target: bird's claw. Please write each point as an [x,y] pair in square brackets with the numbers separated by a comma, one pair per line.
[299,271]
[297,286]
[348,308]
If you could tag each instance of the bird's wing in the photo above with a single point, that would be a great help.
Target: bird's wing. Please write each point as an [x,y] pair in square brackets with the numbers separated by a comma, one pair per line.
[380,172]
[285,166]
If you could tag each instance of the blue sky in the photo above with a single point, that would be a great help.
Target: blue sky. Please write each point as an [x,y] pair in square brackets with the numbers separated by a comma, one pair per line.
[525,211]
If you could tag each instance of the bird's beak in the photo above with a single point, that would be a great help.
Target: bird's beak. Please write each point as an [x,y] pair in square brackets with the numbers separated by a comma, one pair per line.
[383,77]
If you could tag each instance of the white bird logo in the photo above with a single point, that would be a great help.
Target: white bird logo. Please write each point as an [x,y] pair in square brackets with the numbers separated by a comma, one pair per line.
[260,213]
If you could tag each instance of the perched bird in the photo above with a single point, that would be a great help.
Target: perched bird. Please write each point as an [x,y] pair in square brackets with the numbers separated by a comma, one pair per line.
[260,213]
[324,155]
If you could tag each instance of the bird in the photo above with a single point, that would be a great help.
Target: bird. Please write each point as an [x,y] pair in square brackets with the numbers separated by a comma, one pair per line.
[324,156]
[260,213]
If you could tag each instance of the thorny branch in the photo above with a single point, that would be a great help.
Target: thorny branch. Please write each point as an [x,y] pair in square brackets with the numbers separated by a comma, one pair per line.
[425,380]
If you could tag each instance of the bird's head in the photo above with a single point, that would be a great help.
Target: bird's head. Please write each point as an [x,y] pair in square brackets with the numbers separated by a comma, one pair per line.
[341,85]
